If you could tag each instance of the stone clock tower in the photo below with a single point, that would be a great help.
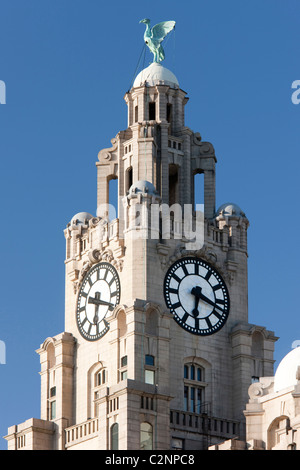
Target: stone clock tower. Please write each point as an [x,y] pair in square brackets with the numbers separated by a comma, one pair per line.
[157,351]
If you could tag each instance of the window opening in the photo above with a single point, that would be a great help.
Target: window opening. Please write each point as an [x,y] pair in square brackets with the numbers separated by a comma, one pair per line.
[152,111]
[113,198]
[198,189]
[146,437]
[149,360]
[129,178]
[173,184]
[123,361]
[193,391]
[114,436]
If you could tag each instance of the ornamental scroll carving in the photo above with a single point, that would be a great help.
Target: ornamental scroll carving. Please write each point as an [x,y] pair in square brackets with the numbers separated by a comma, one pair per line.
[259,389]
[105,155]
[204,147]
[96,256]
[204,253]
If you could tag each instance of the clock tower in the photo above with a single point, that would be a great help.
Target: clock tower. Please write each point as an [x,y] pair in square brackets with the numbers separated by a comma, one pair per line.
[158,352]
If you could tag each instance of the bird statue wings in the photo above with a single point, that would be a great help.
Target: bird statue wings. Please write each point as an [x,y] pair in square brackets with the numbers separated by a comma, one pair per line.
[153,37]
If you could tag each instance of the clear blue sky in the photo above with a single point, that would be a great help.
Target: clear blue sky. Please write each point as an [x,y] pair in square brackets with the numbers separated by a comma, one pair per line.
[67,65]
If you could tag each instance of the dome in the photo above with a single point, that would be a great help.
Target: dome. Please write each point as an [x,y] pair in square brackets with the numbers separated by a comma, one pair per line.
[230,209]
[156,74]
[81,218]
[143,186]
[286,373]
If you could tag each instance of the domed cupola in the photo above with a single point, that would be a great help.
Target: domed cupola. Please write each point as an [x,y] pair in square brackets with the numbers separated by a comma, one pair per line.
[143,187]
[230,209]
[156,74]
[80,220]
[156,98]
[288,371]
[231,218]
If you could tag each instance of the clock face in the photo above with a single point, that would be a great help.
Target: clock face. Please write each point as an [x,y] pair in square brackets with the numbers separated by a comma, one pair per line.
[197,296]
[97,298]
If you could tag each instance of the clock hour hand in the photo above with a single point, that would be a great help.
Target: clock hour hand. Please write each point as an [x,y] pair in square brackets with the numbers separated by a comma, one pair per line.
[197,292]
[195,311]
[98,301]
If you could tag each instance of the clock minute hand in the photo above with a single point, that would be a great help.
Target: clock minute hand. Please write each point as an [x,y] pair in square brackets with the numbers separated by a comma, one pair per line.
[197,292]
[96,318]
[97,297]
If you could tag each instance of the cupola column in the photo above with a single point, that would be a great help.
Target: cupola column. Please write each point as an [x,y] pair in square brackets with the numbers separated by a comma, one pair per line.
[161,115]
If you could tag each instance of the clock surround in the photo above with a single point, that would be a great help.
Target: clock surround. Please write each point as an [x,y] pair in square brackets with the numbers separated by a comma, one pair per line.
[197,296]
[98,295]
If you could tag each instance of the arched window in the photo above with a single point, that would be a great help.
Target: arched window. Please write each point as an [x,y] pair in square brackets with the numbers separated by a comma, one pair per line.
[146,439]
[151,322]
[257,344]
[51,356]
[112,197]
[96,379]
[100,377]
[193,388]
[152,111]
[122,326]
[257,351]
[128,178]
[276,432]
[51,382]
[198,182]
[114,437]
[173,184]
[169,113]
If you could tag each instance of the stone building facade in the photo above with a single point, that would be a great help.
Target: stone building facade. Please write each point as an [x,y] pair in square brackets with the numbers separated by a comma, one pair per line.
[273,410]
[157,351]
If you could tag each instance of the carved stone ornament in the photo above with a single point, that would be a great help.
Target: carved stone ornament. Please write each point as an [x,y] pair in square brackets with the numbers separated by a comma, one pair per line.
[94,221]
[197,138]
[259,389]
[205,253]
[96,256]
[106,154]
[204,147]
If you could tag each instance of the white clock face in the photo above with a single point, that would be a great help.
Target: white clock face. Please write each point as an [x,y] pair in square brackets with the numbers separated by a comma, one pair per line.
[97,298]
[197,296]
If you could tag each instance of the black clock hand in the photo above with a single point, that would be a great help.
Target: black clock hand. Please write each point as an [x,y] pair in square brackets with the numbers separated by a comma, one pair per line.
[93,300]
[197,292]
[97,297]
[96,318]
[195,312]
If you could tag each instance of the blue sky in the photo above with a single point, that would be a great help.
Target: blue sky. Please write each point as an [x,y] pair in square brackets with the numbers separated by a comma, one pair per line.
[67,66]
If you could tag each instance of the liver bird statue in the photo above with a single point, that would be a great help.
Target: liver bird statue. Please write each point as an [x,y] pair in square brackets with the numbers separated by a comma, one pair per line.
[153,37]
